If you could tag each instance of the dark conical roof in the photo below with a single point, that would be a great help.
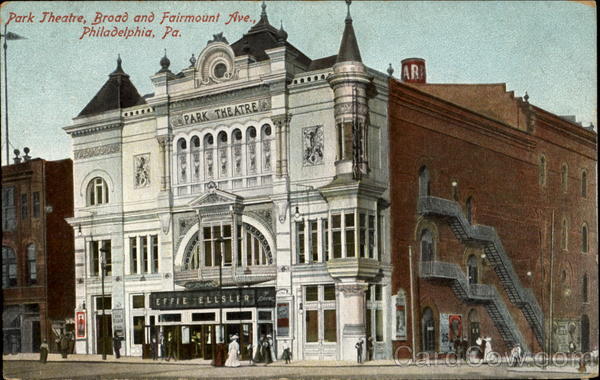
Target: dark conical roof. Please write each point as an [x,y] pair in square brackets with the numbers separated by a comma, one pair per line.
[349,47]
[117,92]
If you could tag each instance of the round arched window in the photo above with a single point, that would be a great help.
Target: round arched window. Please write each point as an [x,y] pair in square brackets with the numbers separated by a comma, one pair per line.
[220,70]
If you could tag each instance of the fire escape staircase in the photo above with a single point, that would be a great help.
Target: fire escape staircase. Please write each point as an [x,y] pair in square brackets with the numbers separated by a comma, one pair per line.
[496,255]
[477,293]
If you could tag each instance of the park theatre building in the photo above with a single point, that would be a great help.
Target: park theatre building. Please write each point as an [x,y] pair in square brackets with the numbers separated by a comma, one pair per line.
[249,190]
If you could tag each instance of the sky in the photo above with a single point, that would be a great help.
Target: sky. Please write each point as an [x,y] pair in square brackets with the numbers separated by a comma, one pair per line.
[547,48]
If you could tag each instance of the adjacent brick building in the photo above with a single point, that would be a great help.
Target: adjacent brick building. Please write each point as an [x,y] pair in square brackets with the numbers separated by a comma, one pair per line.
[38,282]
[494,196]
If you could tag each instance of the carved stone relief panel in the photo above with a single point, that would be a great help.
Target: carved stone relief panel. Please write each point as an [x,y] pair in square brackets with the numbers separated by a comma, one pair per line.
[312,145]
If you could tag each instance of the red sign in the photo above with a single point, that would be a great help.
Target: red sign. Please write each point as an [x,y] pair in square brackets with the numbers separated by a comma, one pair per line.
[80,330]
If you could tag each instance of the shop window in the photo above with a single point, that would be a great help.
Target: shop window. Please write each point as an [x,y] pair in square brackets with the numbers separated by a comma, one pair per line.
[238,315]
[350,240]
[9,268]
[31,264]
[312,293]
[336,228]
[564,177]
[9,219]
[584,184]
[97,193]
[138,301]
[314,241]
[100,249]
[36,204]
[329,293]
[584,239]
[169,318]
[138,330]
[325,238]
[330,326]
[203,317]
[312,326]
[107,305]
[300,248]
[24,206]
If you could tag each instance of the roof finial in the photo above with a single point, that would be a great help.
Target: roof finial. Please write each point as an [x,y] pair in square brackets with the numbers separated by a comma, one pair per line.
[390,70]
[526,97]
[264,9]
[119,61]
[348,17]
[164,63]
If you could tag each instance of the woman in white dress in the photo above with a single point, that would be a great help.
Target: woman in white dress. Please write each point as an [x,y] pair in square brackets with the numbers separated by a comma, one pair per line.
[487,354]
[233,358]
[272,347]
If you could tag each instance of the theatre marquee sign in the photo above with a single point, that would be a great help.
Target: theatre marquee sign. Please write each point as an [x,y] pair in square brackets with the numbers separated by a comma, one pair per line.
[221,112]
[213,298]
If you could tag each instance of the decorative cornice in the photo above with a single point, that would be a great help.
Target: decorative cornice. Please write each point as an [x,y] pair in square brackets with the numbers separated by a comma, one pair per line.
[95,129]
[212,99]
[101,150]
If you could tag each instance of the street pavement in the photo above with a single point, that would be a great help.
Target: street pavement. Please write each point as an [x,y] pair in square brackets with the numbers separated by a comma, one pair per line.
[26,366]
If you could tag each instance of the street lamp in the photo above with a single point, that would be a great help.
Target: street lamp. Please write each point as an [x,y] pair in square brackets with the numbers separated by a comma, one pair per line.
[219,260]
[103,250]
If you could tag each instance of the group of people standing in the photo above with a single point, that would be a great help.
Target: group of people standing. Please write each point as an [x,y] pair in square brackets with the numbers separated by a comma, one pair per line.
[263,352]
[360,347]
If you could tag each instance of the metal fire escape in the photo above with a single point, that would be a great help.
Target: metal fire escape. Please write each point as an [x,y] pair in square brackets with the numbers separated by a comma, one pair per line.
[477,293]
[496,255]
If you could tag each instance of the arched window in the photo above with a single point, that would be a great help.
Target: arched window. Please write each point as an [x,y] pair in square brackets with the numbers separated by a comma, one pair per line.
[427,246]
[237,152]
[97,192]
[222,140]
[584,184]
[564,177]
[564,243]
[9,268]
[584,288]
[472,269]
[428,330]
[584,238]
[251,145]
[266,147]
[195,146]
[424,183]
[470,209]
[542,170]
[31,264]
[209,166]
[182,160]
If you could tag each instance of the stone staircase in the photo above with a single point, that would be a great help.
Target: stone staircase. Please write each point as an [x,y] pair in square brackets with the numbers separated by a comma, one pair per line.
[487,237]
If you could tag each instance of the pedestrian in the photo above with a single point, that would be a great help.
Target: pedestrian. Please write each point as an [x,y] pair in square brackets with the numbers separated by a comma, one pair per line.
[515,355]
[465,348]
[458,348]
[233,353]
[266,351]
[250,354]
[44,352]
[64,345]
[154,347]
[370,348]
[161,343]
[487,353]
[359,350]
[287,355]
[117,345]
[170,347]
[258,355]
[272,348]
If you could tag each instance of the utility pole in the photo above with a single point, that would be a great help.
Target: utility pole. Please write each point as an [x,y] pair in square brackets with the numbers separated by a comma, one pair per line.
[550,348]
[412,304]
[219,343]
[103,250]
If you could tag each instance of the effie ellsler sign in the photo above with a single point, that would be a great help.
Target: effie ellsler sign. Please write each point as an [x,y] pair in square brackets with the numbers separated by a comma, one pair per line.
[212,298]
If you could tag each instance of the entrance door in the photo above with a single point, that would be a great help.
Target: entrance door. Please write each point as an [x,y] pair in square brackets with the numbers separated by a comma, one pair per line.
[104,323]
[320,334]
[244,333]
[208,341]
[35,336]
[428,331]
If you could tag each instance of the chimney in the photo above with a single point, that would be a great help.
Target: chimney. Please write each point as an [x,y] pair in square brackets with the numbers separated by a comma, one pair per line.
[413,70]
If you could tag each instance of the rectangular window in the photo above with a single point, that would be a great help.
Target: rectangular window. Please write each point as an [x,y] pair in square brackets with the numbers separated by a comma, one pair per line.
[300,242]
[99,249]
[169,318]
[95,258]
[314,243]
[330,326]
[350,240]
[372,236]
[312,293]
[138,330]
[312,326]
[362,247]
[154,247]
[207,247]
[203,317]
[238,315]
[379,234]
[36,204]
[144,253]
[9,219]
[32,264]
[133,268]
[138,301]
[106,247]
[227,245]
[379,325]
[264,316]
[107,303]
[336,226]
[329,292]
[24,206]
[325,239]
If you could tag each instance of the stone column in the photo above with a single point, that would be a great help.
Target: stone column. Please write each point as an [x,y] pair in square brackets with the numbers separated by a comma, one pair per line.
[162,141]
[351,318]
[282,123]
